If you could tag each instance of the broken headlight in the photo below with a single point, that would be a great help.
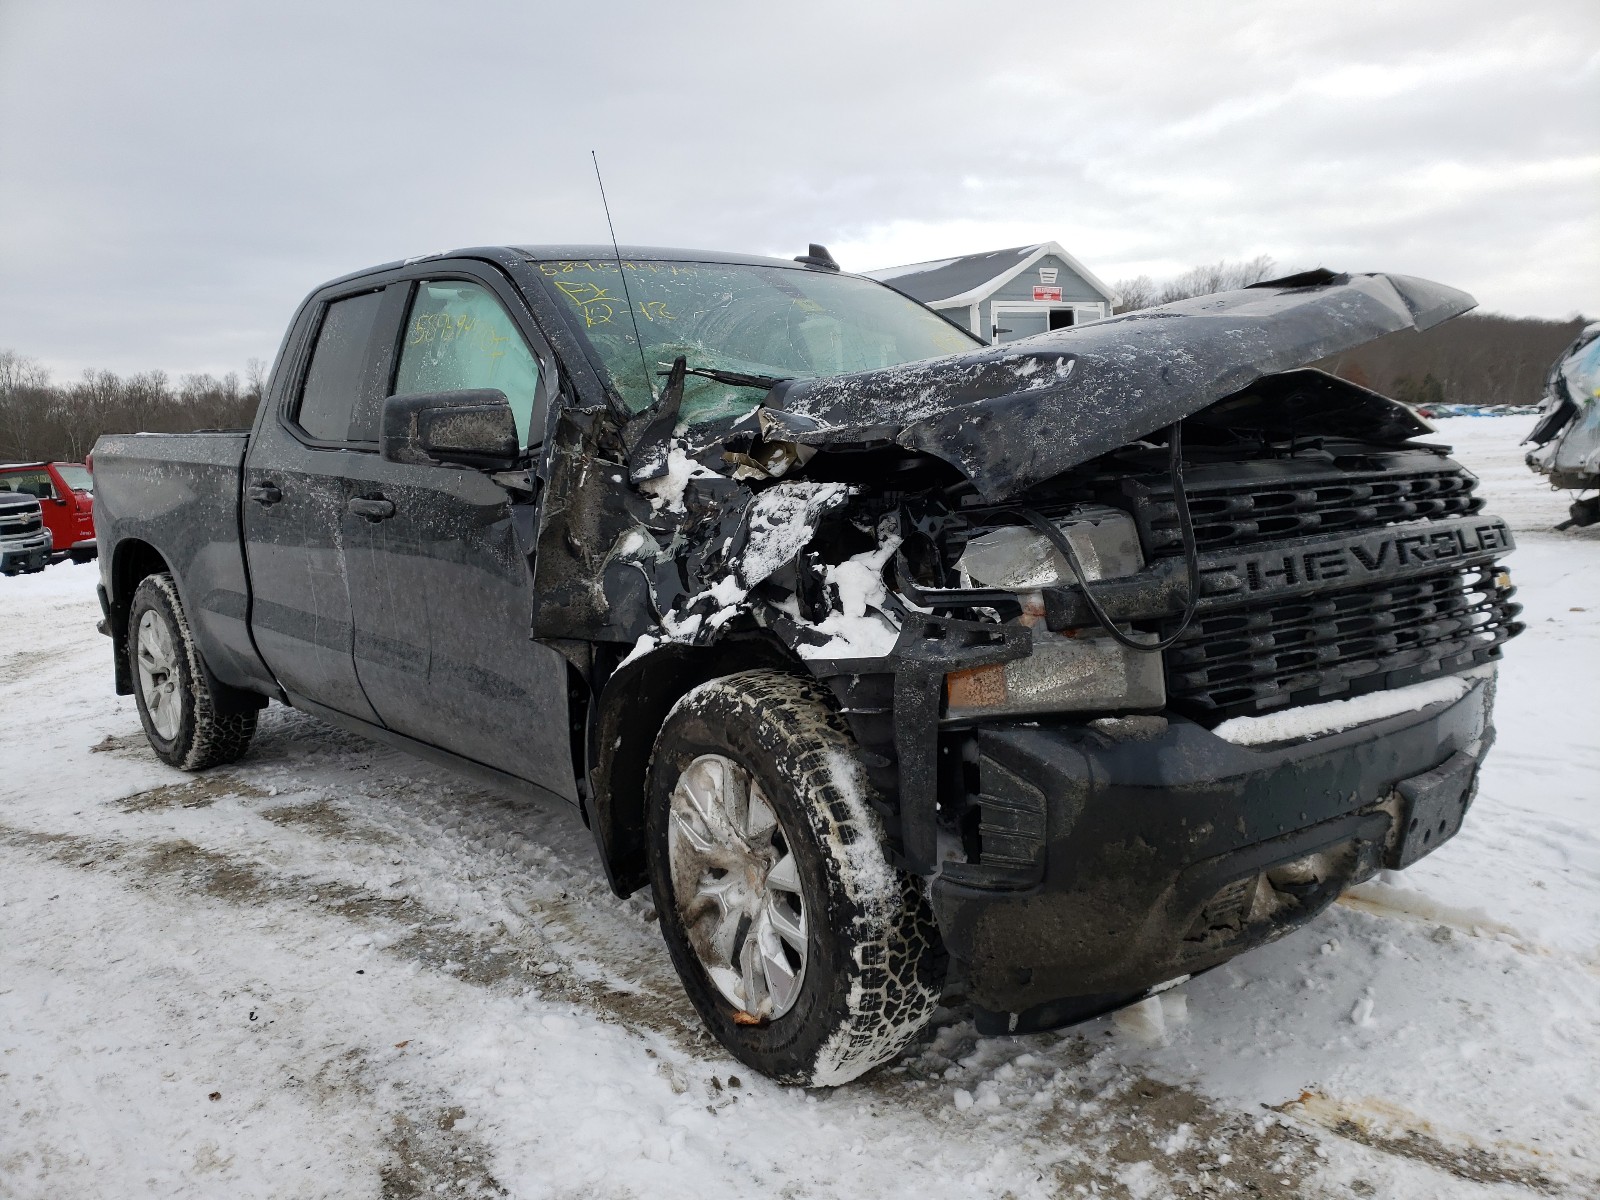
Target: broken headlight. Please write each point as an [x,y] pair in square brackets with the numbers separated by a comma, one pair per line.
[1019,559]
[1080,670]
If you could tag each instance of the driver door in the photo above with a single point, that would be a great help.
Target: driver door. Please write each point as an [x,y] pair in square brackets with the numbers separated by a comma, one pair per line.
[441,589]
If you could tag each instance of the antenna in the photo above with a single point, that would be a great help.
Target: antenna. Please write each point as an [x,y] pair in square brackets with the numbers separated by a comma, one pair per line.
[632,315]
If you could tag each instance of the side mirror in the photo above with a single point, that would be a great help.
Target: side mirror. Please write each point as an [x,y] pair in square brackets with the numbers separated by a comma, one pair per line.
[470,428]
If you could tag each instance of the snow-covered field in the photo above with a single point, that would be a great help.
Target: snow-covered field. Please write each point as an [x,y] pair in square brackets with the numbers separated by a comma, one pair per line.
[334,971]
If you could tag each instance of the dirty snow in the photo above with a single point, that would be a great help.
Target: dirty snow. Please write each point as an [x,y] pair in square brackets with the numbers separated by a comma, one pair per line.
[397,983]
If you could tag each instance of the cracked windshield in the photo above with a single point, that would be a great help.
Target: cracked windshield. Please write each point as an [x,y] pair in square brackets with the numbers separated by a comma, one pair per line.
[755,320]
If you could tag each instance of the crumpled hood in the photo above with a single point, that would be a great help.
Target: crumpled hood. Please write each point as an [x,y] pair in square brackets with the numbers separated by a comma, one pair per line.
[1012,416]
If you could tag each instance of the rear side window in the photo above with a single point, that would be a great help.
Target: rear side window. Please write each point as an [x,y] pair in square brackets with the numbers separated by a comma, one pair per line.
[338,367]
[459,336]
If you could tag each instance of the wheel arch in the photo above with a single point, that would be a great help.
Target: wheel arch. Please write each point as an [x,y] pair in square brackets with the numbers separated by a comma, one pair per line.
[131,562]
[627,715]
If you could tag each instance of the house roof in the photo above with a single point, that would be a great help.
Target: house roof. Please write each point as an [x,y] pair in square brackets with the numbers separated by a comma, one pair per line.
[969,278]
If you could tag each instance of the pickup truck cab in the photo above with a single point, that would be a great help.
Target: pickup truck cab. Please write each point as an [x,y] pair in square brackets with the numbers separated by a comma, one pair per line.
[1060,669]
[65,492]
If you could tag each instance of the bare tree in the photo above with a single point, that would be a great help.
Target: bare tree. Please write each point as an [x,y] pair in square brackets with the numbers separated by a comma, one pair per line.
[1144,292]
[255,378]
[1136,293]
[24,398]
[39,420]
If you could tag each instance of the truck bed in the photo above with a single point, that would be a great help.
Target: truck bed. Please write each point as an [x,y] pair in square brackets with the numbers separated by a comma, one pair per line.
[177,496]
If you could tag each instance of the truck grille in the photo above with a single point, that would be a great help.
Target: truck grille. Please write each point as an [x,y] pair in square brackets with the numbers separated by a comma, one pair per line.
[1241,512]
[1340,643]
[19,525]
[1239,660]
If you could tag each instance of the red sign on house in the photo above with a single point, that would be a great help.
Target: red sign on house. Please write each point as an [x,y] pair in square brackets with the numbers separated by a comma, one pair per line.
[1047,293]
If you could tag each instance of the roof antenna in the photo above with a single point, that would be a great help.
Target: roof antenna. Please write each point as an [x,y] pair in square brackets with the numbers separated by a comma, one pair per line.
[632,315]
[817,256]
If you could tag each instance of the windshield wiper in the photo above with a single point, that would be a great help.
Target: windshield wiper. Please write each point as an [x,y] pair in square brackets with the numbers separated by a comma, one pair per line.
[732,378]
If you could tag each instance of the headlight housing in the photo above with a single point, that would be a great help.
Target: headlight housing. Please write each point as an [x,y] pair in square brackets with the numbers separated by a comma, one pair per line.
[1020,559]
[1076,671]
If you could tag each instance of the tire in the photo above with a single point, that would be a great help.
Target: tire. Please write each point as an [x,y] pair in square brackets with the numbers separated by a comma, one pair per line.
[199,729]
[870,963]
[79,557]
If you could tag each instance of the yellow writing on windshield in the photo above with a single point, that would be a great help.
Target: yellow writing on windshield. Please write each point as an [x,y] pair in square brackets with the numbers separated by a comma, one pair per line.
[600,307]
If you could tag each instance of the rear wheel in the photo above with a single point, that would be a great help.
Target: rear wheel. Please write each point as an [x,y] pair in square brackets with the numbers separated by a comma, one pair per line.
[806,953]
[187,719]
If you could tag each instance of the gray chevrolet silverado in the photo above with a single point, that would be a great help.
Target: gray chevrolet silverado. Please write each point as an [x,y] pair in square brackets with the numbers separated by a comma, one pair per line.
[890,660]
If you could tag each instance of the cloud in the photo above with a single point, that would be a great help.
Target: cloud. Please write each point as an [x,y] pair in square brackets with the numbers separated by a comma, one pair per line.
[177,177]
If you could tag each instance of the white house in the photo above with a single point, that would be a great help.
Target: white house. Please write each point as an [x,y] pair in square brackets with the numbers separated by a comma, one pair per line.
[1006,294]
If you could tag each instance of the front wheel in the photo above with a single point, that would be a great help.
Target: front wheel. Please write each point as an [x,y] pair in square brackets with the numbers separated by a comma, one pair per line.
[185,719]
[807,954]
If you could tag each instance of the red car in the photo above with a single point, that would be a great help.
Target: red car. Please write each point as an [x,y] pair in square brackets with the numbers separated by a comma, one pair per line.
[66,494]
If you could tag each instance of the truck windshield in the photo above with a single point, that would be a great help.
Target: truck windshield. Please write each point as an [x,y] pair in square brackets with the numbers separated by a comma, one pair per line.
[753,320]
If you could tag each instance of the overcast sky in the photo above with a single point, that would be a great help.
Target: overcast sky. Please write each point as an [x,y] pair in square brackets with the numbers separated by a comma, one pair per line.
[174,178]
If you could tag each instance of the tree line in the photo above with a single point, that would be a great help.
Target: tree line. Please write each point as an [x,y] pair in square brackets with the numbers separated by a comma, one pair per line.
[1481,358]
[59,422]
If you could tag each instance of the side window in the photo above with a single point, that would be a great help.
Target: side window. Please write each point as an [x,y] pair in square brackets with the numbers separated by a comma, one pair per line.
[338,367]
[458,336]
[29,483]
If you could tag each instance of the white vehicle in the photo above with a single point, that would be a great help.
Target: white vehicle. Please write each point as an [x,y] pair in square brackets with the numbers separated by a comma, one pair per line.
[1567,438]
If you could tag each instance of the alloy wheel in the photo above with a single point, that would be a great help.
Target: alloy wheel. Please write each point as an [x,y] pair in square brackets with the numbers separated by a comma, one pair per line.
[737,887]
[157,663]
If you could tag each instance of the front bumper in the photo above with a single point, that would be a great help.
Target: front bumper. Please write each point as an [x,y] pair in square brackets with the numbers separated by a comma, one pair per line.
[1111,862]
[31,553]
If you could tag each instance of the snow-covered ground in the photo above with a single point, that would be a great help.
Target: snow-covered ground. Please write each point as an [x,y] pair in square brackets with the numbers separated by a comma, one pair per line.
[334,971]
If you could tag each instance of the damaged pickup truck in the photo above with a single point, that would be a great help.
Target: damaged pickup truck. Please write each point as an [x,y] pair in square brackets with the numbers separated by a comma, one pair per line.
[1056,670]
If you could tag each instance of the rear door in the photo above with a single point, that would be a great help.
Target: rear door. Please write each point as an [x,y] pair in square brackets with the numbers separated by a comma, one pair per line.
[440,585]
[295,493]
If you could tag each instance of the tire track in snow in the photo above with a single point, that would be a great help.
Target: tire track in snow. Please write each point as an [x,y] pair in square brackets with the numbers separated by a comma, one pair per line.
[404,927]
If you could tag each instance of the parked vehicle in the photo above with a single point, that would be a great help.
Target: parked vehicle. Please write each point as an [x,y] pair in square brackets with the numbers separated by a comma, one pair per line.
[1566,438]
[24,540]
[65,492]
[1064,668]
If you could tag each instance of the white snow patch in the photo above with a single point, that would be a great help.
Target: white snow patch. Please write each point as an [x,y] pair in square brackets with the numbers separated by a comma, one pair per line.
[667,491]
[860,578]
[631,543]
[782,520]
[1361,1014]
[1314,720]
[860,627]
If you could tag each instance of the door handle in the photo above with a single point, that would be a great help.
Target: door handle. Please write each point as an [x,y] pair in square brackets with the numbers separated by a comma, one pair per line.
[372,510]
[265,494]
